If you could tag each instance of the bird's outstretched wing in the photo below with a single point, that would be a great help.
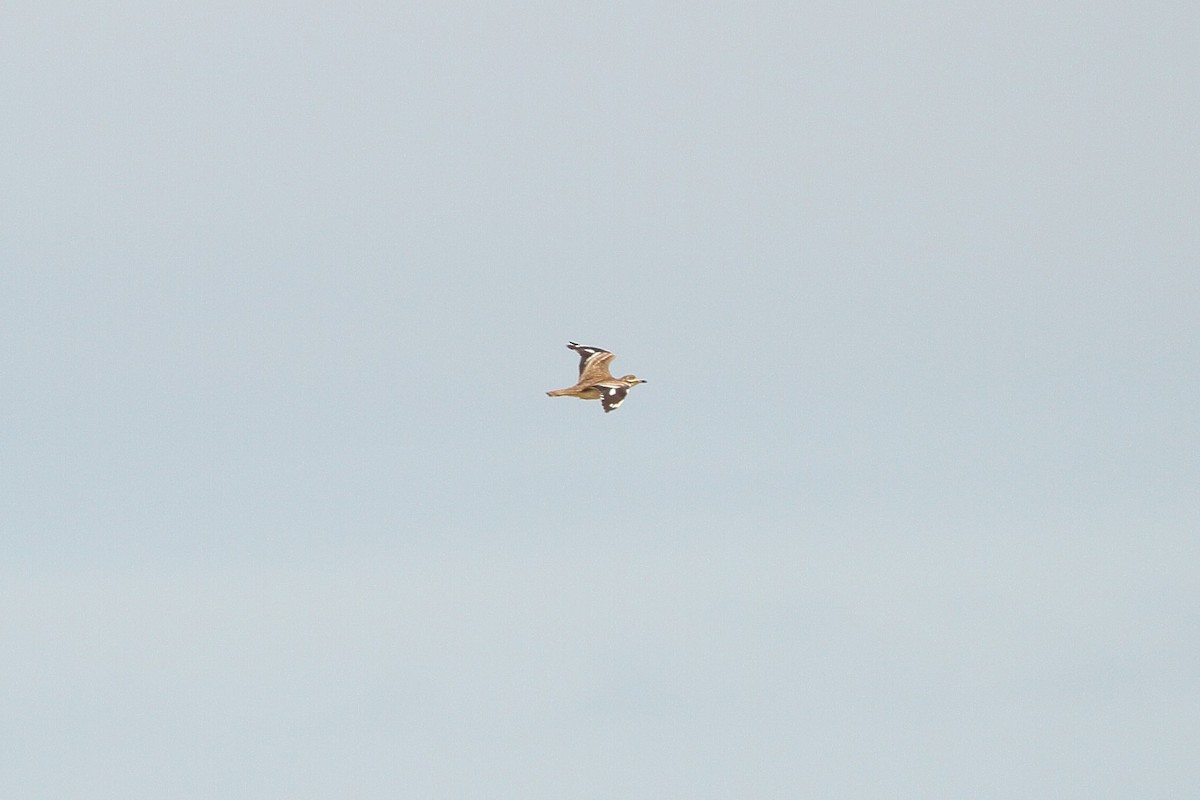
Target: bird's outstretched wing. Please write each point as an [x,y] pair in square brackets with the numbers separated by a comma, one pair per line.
[611,396]
[593,363]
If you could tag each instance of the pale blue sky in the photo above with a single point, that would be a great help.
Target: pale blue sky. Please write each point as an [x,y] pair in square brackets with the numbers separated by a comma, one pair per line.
[908,508]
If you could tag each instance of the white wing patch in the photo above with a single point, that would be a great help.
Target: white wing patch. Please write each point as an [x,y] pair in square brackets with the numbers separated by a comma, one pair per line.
[612,396]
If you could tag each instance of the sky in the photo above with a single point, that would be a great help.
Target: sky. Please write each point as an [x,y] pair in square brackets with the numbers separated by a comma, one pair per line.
[907,509]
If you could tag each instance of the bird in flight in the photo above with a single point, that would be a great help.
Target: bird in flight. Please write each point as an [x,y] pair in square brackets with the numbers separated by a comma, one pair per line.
[595,381]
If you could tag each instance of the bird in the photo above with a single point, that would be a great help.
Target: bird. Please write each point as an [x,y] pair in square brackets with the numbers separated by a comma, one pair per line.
[595,381]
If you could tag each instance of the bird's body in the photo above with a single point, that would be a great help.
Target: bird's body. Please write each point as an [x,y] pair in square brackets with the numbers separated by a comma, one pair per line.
[595,381]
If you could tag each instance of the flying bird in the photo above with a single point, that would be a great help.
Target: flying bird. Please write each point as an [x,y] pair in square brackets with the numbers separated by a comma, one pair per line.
[595,381]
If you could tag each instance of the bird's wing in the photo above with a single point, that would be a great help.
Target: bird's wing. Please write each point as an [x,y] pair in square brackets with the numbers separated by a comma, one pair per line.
[593,363]
[611,396]
[596,368]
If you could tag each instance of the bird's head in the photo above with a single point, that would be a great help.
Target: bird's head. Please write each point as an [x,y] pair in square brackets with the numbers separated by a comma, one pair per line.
[632,380]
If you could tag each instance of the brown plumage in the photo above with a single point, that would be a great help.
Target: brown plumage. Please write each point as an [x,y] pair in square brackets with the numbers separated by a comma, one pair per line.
[595,381]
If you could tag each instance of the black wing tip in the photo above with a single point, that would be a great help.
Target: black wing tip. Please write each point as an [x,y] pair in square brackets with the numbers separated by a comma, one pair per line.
[611,397]
[585,347]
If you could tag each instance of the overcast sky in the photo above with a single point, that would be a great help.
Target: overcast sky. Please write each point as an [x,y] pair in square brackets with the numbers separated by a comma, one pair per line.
[908,509]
